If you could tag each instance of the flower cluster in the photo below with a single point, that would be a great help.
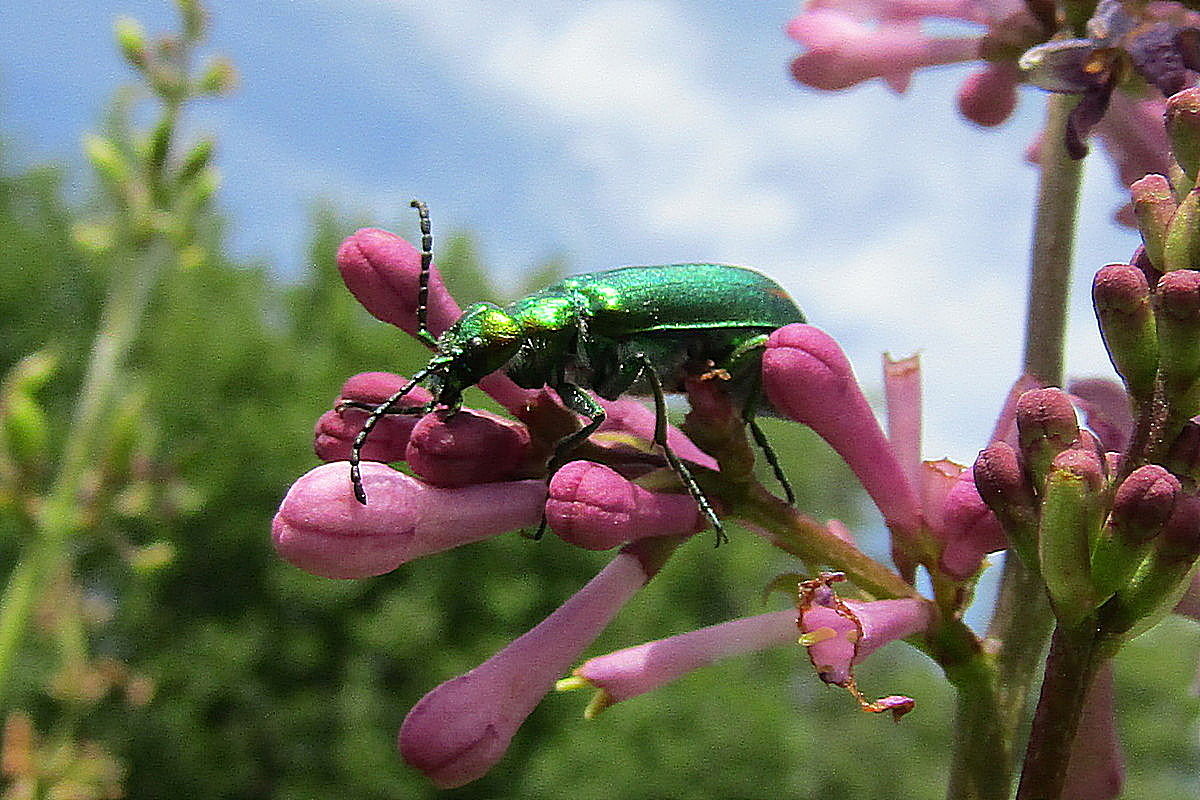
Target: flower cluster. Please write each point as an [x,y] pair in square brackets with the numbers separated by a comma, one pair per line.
[476,475]
[1148,52]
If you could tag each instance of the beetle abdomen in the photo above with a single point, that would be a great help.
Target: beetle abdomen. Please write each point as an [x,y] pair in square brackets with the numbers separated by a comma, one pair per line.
[678,297]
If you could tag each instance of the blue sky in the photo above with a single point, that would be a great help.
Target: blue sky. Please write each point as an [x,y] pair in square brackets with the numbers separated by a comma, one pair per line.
[611,132]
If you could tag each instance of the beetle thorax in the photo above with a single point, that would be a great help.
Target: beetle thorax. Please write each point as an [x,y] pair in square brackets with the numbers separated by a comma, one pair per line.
[483,340]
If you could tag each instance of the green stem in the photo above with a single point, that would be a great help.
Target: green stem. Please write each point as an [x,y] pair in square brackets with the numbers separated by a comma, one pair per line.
[1053,247]
[59,517]
[1074,658]
[1022,619]
[981,768]
[811,542]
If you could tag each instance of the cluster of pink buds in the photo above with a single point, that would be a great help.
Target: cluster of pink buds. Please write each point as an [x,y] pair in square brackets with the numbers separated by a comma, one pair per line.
[475,475]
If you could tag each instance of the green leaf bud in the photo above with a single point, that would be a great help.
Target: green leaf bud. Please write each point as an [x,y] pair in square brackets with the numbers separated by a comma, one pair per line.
[1121,297]
[218,78]
[194,19]
[109,162]
[196,160]
[1153,205]
[1183,126]
[24,427]
[131,39]
[1071,514]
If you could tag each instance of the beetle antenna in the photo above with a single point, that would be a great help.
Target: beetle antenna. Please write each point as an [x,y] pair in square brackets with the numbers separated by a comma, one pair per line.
[380,410]
[426,267]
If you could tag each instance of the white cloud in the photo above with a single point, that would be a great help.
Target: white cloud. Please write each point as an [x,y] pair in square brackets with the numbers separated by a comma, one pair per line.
[897,226]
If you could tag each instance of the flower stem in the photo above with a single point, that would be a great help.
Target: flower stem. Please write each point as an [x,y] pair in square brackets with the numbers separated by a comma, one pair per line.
[1022,619]
[59,516]
[811,542]
[1071,666]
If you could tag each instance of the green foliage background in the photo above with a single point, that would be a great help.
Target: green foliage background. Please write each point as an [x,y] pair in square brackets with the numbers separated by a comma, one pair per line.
[271,683]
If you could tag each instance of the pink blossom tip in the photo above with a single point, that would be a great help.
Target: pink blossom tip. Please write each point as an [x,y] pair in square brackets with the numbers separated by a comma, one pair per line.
[969,529]
[468,447]
[383,271]
[593,507]
[461,729]
[988,97]
[336,429]
[842,51]
[322,529]
[808,378]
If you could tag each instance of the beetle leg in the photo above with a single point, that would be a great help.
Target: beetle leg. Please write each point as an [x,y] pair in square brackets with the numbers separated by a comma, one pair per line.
[359,405]
[660,438]
[580,402]
[760,439]
[360,494]
[751,351]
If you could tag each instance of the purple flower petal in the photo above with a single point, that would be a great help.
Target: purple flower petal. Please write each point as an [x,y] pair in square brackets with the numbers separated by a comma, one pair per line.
[322,529]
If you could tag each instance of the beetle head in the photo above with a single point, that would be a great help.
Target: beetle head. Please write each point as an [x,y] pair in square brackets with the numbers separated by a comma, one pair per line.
[483,340]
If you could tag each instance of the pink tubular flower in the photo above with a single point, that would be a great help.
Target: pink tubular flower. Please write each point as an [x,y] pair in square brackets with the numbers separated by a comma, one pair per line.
[848,42]
[627,673]
[458,731]
[807,377]
[594,507]
[841,633]
[322,529]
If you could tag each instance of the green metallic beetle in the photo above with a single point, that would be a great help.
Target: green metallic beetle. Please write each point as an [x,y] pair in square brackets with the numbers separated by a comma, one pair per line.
[632,330]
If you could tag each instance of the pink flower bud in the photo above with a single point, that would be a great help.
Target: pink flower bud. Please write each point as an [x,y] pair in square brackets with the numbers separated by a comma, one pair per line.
[989,96]
[1143,503]
[468,447]
[593,507]
[322,529]
[807,377]
[1046,426]
[461,729]
[336,429]
[969,529]
[383,272]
